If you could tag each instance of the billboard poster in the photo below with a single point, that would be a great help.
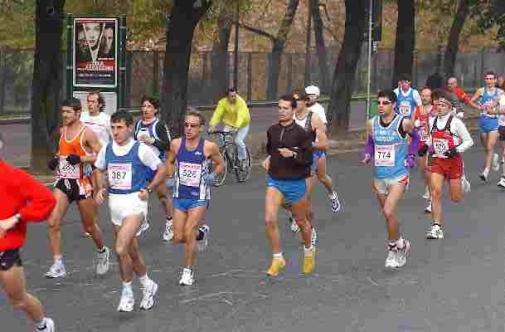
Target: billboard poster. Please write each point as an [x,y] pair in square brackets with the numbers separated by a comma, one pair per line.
[110,99]
[95,56]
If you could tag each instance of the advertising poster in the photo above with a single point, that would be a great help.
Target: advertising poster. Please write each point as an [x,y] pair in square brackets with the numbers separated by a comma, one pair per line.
[95,57]
[110,99]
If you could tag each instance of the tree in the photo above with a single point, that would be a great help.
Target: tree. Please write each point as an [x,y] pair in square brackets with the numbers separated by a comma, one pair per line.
[320,44]
[451,49]
[345,70]
[405,39]
[47,80]
[492,13]
[184,17]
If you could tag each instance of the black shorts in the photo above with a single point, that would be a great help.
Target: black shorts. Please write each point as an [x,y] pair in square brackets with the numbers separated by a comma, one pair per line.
[501,131]
[9,258]
[72,188]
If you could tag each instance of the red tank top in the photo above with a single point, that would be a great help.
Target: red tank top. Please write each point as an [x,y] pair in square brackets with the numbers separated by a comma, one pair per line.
[442,139]
[424,123]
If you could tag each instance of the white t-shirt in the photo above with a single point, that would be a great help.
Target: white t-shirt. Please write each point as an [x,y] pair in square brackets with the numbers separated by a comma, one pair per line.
[319,110]
[462,137]
[146,155]
[100,124]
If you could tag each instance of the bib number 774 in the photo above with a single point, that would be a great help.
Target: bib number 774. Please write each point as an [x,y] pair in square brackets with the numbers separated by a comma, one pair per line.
[384,155]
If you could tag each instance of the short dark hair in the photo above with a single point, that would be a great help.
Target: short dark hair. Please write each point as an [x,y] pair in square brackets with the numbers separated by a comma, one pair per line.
[490,72]
[404,77]
[290,98]
[232,89]
[195,113]
[122,116]
[101,101]
[155,102]
[387,94]
[72,102]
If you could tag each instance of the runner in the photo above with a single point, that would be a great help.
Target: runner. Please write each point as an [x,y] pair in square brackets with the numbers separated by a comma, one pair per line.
[408,97]
[501,131]
[448,139]
[486,100]
[95,118]
[313,93]
[393,156]
[129,164]
[188,160]
[77,150]
[152,131]
[23,200]
[290,149]
[460,94]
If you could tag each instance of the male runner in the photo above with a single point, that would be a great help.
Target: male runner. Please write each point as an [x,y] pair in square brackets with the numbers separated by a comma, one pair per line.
[408,97]
[290,149]
[188,160]
[448,139]
[393,156]
[128,164]
[459,93]
[486,100]
[23,200]
[77,151]
[501,131]
[314,106]
[95,118]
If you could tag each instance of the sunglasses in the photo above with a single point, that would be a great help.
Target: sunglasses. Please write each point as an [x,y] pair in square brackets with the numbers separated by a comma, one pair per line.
[384,102]
[191,125]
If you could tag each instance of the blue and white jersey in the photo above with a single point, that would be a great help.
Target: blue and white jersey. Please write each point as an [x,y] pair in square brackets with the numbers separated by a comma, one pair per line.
[150,130]
[391,149]
[127,173]
[191,168]
[405,103]
[488,98]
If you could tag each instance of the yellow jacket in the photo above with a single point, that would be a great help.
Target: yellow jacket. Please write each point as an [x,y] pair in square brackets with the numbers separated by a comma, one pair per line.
[235,115]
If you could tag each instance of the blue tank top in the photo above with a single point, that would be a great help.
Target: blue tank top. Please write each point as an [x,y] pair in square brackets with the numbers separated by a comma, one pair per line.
[190,171]
[391,149]
[488,98]
[150,130]
[405,104]
[126,174]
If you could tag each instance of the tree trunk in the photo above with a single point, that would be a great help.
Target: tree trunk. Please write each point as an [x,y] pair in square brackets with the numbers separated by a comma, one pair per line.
[345,69]
[47,80]
[405,39]
[452,44]
[320,44]
[278,47]
[220,71]
[183,20]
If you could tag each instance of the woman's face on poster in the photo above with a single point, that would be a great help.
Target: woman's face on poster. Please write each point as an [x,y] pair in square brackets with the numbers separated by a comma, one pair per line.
[92,31]
[108,35]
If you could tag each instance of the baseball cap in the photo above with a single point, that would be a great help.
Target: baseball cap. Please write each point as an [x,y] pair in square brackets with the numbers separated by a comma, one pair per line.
[312,90]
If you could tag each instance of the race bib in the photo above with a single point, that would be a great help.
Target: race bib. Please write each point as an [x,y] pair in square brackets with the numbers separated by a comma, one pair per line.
[190,174]
[440,146]
[384,155]
[68,171]
[404,108]
[120,176]
[423,133]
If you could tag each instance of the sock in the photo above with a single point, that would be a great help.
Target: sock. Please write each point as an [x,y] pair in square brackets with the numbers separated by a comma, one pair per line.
[187,270]
[308,250]
[58,259]
[400,243]
[145,280]
[485,172]
[436,223]
[128,286]
[41,325]
[101,250]
[391,245]
[277,255]
[332,195]
[169,221]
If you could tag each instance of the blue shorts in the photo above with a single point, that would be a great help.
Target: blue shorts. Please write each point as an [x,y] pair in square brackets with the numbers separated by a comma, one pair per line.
[488,124]
[316,155]
[186,204]
[292,190]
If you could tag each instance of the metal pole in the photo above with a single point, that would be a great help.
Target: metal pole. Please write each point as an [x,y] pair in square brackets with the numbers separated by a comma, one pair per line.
[69,59]
[235,51]
[307,47]
[369,74]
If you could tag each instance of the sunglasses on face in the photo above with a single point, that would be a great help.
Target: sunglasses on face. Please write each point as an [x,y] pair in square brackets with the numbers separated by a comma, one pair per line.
[191,125]
[384,102]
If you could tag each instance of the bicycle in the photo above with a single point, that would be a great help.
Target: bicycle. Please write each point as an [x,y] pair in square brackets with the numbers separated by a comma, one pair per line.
[229,152]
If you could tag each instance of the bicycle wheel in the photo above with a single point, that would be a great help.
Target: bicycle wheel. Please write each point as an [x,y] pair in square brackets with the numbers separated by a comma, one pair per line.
[220,178]
[243,173]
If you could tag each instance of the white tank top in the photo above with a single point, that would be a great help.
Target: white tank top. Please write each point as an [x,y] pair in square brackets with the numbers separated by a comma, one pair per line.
[100,124]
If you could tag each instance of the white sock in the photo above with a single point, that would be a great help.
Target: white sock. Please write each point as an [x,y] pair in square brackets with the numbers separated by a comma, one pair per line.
[169,221]
[144,280]
[485,172]
[187,270]
[41,325]
[128,287]
[277,255]
[400,243]
[332,195]
[58,259]
[307,250]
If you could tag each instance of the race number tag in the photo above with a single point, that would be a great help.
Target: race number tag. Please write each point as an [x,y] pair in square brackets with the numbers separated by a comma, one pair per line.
[68,171]
[423,134]
[404,108]
[190,174]
[120,176]
[385,155]
[440,146]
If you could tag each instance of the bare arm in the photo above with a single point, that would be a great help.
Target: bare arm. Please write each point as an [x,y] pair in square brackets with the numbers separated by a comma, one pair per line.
[321,142]
[170,162]
[91,141]
[474,98]
[216,157]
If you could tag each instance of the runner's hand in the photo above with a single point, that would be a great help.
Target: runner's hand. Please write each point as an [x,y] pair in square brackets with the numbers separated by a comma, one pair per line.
[366,159]
[266,164]
[144,194]
[451,153]
[6,224]
[286,153]
[52,164]
[73,159]
[410,162]
[99,196]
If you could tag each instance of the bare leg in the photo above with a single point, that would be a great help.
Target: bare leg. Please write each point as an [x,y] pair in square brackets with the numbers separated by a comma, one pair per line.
[54,222]
[89,216]
[273,200]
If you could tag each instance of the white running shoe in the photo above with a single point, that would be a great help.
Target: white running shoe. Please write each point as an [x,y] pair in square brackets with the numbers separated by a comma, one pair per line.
[427,209]
[187,278]
[391,260]
[102,261]
[402,254]
[126,302]
[501,183]
[496,162]
[465,184]
[202,244]
[313,237]
[335,202]
[293,226]
[57,270]
[435,232]
[148,296]
[48,327]
[168,234]
[483,175]
[426,194]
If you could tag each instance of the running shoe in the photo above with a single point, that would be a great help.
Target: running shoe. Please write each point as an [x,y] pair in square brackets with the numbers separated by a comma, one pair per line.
[187,278]
[148,295]
[391,260]
[426,194]
[48,326]
[483,176]
[427,209]
[126,302]
[402,254]
[335,202]
[102,261]
[465,185]
[278,264]
[501,183]
[201,244]
[168,234]
[496,162]
[309,260]
[57,270]
[313,237]
[435,232]
[293,226]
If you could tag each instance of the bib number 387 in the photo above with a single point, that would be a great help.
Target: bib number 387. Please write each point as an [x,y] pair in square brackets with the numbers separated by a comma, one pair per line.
[384,155]
[120,176]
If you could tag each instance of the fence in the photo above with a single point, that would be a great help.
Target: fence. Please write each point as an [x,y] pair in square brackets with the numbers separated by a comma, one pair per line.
[144,74]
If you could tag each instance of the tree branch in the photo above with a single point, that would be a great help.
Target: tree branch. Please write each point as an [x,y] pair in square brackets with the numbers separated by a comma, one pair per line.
[256,31]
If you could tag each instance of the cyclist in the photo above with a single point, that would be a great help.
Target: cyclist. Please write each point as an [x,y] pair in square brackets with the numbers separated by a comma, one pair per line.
[233,112]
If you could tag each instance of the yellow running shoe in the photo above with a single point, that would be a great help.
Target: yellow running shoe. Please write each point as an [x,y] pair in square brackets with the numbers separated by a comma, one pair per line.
[276,267]
[309,261]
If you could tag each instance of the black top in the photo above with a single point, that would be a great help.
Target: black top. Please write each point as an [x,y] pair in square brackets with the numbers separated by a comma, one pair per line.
[157,130]
[296,139]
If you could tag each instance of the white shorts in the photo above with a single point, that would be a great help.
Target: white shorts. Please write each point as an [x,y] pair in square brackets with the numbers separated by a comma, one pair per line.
[382,186]
[124,205]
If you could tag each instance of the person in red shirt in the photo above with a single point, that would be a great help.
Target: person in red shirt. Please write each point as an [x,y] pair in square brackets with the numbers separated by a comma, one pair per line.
[459,93]
[24,200]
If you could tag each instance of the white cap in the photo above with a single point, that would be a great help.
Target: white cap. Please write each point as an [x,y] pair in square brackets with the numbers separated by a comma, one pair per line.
[312,90]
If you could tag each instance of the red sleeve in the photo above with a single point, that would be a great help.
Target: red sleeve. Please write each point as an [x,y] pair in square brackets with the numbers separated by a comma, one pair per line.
[39,201]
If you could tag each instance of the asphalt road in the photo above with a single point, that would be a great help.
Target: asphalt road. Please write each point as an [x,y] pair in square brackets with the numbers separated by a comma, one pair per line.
[451,285]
